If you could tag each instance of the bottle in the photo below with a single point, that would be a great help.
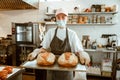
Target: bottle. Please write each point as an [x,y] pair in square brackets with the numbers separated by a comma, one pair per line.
[97,19]
[103,8]
[102,19]
[47,10]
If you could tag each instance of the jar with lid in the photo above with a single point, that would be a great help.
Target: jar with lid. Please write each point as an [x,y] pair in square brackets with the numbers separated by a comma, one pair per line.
[102,19]
[103,8]
[113,8]
[93,8]
[98,8]
[85,19]
[94,19]
[97,19]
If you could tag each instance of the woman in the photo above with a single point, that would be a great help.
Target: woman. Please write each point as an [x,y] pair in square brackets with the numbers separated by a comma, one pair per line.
[59,40]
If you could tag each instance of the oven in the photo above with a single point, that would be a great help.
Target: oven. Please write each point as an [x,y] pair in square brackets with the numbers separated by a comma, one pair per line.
[25,33]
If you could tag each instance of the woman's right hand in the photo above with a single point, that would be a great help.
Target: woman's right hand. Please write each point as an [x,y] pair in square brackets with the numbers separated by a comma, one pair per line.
[34,54]
[31,56]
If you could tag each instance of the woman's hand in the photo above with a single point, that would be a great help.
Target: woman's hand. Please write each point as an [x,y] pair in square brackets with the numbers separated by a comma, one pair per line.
[34,54]
[31,56]
[84,58]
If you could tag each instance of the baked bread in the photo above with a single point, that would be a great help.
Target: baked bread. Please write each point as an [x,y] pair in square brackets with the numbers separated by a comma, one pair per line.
[9,69]
[3,74]
[5,71]
[68,59]
[45,59]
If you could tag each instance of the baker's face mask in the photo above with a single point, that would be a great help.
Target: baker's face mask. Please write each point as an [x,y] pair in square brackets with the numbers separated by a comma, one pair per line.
[61,21]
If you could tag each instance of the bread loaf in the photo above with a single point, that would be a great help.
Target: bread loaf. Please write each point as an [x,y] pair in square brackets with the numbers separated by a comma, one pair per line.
[45,59]
[9,69]
[3,74]
[5,71]
[68,59]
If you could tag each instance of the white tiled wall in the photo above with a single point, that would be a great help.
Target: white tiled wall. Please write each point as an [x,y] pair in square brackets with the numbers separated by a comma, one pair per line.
[95,31]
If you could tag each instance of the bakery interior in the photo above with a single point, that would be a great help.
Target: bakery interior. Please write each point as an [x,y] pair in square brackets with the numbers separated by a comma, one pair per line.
[96,23]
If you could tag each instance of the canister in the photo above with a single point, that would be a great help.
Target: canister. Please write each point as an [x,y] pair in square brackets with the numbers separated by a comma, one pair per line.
[102,19]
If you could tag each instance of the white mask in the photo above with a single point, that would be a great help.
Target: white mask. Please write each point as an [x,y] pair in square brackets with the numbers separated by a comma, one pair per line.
[61,23]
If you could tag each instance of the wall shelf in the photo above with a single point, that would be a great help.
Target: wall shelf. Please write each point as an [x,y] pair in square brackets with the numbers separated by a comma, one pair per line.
[54,23]
[87,18]
[83,13]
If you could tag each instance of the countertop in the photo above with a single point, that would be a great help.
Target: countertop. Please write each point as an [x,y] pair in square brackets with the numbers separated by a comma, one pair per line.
[100,50]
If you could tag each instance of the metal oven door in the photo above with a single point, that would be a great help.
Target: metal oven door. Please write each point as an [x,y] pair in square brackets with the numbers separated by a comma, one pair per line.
[24,33]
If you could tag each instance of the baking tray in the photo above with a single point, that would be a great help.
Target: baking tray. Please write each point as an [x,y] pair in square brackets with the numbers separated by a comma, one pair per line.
[33,65]
[15,71]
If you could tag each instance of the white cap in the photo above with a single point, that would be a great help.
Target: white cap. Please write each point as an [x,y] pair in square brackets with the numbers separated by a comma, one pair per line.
[58,11]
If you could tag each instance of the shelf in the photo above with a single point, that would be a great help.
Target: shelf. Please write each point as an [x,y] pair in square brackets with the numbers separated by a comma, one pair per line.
[72,19]
[50,14]
[89,13]
[99,50]
[83,13]
[54,23]
[96,70]
[90,74]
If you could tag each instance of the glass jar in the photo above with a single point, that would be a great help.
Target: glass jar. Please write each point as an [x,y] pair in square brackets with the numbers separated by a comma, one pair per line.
[102,19]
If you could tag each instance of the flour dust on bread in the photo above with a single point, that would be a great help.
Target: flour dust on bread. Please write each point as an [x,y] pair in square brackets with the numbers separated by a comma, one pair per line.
[68,59]
[45,59]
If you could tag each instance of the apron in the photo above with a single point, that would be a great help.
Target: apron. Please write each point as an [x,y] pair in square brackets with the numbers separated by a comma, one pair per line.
[58,47]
